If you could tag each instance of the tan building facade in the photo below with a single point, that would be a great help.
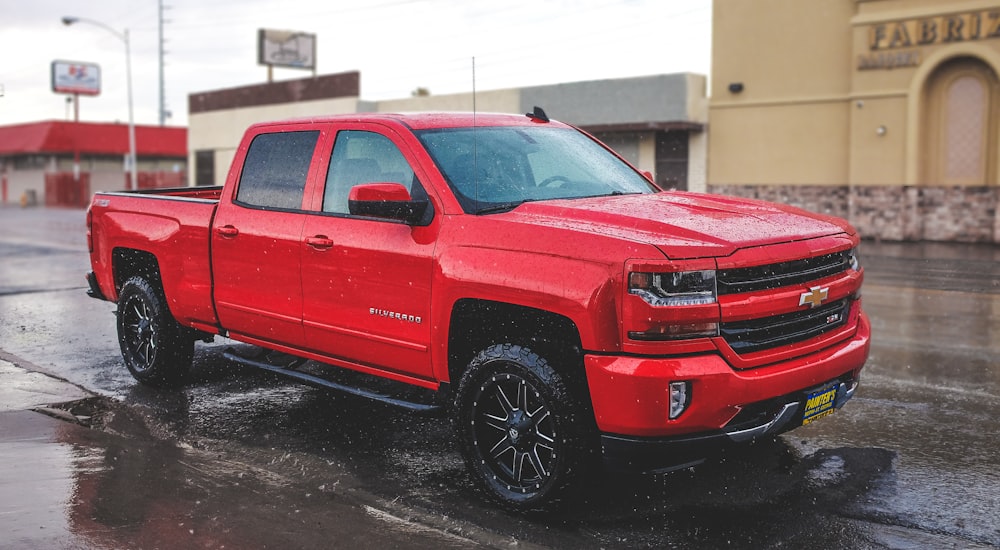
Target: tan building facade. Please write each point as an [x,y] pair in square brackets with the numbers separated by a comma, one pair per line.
[885,112]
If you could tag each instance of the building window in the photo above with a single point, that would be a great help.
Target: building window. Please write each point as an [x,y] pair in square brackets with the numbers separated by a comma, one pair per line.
[672,160]
[204,168]
[625,144]
[30,162]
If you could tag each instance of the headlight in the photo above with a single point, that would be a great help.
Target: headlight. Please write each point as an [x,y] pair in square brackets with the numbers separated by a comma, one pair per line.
[854,259]
[683,288]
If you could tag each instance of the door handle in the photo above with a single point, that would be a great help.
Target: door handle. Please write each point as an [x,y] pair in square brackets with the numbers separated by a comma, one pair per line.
[320,242]
[227,231]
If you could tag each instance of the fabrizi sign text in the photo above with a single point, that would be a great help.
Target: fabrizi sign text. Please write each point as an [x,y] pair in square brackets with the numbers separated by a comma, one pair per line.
[935,30]
[887,41]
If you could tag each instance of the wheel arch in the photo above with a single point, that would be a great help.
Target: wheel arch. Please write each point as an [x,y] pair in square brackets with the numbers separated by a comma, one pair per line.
[129,262]
[476,324]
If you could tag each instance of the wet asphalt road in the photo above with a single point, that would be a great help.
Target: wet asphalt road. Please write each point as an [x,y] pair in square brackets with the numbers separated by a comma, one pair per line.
[240,459]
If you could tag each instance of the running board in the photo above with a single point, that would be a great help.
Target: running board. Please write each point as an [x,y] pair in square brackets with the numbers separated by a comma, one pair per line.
[421,408]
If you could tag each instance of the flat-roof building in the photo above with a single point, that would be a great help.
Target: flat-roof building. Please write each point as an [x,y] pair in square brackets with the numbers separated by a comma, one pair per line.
[656,122]
[37,160]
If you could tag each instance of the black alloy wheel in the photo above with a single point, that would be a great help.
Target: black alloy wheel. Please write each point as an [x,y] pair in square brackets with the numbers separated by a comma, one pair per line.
[515,432]
[521,431]
[155,348]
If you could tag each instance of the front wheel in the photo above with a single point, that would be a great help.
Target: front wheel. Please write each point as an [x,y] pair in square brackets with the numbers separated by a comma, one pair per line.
[156,349]
[523,434]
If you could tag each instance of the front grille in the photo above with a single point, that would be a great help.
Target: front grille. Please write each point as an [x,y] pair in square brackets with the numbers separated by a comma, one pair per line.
[766,277]
[779,330]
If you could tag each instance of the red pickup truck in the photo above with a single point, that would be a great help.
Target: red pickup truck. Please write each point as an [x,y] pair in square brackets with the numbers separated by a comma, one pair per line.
[562,305]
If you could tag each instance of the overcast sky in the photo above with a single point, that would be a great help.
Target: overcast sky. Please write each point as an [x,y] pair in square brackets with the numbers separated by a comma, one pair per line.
[397,45]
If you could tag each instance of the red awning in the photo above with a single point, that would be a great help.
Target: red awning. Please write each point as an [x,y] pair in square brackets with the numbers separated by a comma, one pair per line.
[90,138]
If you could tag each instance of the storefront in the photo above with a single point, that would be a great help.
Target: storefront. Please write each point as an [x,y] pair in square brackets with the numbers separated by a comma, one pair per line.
[61,163]
[885,112]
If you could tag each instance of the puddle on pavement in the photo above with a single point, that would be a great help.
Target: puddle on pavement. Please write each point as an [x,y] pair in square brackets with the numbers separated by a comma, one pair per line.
[91,474]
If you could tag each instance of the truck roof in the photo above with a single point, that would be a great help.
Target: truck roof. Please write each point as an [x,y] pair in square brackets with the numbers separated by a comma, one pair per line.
[427,120]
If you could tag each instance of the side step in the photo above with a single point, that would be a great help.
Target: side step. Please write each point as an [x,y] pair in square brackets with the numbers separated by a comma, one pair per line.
[420,408]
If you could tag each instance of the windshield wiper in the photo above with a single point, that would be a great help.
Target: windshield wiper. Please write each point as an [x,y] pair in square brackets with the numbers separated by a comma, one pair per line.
[500,207]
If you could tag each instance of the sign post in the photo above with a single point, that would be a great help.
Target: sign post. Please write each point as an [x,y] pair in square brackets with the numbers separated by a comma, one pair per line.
[74,77]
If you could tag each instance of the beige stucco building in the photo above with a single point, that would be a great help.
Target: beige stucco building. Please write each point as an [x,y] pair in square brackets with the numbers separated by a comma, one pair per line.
[885,112]
[655,122]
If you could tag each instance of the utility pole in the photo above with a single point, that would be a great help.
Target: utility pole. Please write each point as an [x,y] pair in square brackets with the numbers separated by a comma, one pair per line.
[164,114]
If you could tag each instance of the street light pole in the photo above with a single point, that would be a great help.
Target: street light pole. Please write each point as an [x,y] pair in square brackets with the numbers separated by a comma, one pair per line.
[133,182]
[132,161]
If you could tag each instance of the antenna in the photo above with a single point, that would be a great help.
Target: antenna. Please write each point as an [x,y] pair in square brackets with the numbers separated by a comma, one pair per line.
[538,114]
[475,136]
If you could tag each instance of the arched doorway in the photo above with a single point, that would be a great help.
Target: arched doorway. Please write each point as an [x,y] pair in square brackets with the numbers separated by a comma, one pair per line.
[962,116]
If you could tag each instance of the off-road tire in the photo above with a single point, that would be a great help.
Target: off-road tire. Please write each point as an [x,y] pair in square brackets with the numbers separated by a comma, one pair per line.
[524,436]
[156,349]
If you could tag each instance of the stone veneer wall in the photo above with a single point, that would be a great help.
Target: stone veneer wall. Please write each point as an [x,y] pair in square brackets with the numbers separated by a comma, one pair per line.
[895,213]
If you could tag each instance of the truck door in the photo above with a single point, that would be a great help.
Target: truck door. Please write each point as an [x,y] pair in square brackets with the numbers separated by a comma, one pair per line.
[256,240]
[367,282]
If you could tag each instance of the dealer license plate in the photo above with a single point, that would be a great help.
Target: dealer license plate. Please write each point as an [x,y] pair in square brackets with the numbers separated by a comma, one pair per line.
[820,403]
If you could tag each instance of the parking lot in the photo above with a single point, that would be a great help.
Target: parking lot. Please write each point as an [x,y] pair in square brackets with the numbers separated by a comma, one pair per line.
[243,460]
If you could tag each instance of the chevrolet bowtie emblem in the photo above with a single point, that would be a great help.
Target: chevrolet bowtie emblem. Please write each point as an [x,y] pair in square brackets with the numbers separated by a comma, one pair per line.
[814,297]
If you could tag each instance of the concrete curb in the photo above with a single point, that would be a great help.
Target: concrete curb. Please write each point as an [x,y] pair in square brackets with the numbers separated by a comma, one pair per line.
[24,386]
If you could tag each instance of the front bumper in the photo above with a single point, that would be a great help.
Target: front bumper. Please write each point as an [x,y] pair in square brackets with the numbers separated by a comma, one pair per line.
[631,400]
[666,454]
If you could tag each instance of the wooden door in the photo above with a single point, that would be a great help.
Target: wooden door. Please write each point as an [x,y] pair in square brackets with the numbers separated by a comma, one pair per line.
[960,145]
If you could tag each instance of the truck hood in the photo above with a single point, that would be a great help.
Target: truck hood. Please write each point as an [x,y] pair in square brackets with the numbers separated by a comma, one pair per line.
[683,225]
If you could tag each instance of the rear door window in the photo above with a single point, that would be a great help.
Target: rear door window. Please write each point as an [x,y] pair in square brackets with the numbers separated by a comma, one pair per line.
[275,170]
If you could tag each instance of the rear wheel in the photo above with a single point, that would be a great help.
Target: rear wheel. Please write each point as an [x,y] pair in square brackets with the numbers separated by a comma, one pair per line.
[522,432]
[156,349]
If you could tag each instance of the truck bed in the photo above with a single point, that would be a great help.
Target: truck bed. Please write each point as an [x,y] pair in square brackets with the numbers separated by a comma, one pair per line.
[170,227]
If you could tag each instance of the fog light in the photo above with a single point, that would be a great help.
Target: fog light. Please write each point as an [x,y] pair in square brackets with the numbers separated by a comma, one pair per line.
[678,398]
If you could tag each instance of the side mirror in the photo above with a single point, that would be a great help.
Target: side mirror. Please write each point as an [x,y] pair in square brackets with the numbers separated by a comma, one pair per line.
[387,200]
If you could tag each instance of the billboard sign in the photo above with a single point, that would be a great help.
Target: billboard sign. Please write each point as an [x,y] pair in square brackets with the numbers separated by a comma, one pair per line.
[286,49]
[74,77]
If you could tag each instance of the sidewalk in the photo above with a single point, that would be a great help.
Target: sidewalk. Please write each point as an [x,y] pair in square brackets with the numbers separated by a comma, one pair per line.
[23,389]
[37,471]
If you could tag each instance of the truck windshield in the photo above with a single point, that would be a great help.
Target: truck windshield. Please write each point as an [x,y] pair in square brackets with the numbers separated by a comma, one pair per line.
[495,169]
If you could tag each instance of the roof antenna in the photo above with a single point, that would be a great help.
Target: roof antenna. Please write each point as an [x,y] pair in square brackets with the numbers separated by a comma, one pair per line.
[473,91]
[475,136]
[538,114]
